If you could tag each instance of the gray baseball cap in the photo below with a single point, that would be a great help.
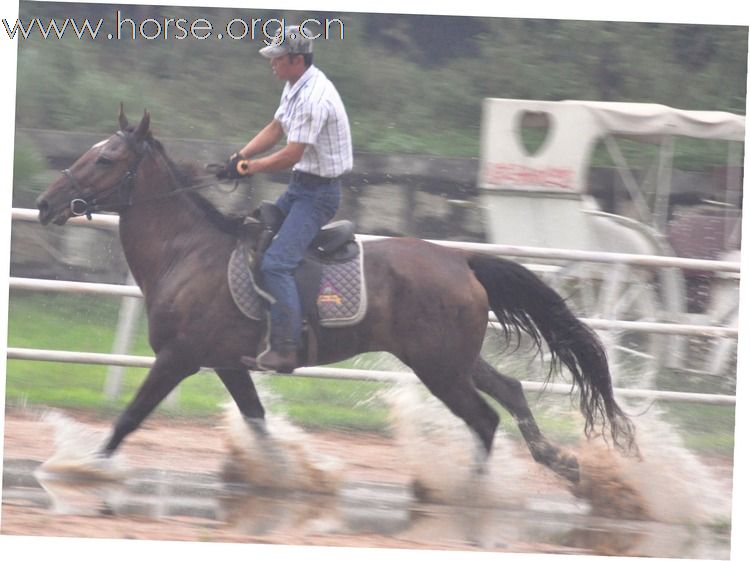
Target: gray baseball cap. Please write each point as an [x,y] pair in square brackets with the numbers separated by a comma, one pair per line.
[289,43]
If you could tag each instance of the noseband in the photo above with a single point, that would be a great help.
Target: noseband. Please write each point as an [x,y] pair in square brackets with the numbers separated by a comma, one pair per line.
[85,205]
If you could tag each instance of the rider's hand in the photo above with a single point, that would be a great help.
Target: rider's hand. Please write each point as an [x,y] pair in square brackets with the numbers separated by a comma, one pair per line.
[230,170]
[243,168]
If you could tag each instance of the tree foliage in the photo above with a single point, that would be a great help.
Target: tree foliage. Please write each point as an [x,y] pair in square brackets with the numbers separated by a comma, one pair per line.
[410,83]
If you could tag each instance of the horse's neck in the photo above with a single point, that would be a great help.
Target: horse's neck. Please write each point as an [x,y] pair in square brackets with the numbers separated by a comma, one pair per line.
[153,229]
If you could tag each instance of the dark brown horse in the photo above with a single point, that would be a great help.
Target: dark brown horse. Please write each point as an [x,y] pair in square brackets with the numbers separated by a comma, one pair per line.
[428,305]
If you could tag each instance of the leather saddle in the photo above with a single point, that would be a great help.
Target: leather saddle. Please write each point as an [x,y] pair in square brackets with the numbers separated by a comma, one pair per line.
[334,243]
[333,255]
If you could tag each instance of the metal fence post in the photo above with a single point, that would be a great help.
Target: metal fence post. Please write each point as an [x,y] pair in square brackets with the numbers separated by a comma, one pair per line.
[127,323]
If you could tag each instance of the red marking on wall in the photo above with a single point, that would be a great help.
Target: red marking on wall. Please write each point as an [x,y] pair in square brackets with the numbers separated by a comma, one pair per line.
[514,175]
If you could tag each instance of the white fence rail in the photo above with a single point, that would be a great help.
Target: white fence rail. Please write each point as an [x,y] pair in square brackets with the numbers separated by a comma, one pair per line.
[497,249]
[75,287]
[30,215]
[352,374]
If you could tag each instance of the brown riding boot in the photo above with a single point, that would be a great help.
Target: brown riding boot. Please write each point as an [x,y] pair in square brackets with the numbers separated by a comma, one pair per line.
[284,360]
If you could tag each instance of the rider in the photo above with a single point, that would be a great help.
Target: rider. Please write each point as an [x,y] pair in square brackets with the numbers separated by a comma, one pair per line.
[319,151]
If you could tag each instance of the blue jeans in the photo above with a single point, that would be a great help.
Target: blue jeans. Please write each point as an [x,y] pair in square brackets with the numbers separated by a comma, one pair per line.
[307,209]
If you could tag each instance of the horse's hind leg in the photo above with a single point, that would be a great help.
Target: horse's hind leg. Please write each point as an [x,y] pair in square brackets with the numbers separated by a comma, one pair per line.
[509,393]
[240,386]
[458,393]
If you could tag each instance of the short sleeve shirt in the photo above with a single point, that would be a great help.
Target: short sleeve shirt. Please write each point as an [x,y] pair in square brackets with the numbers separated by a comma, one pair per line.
[311,112]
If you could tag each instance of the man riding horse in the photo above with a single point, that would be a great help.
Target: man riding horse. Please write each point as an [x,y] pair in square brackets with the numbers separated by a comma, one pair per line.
[427,305]
[319,151]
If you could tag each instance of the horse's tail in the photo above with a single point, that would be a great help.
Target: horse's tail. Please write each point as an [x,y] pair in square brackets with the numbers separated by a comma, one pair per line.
[522,302]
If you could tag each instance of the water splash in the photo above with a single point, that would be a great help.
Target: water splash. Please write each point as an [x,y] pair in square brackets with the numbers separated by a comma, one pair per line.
[277,456]
[440,452]
[670,484]
[76,452]
[673,484]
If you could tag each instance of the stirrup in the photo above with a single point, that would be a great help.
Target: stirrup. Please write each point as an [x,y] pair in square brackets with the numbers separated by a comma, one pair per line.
[259,364]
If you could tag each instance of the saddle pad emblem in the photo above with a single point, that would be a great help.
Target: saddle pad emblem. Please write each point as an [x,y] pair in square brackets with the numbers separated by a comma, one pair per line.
[329,295]
[342,297]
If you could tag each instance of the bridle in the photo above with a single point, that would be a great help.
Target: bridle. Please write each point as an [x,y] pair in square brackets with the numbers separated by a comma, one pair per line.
[84,205]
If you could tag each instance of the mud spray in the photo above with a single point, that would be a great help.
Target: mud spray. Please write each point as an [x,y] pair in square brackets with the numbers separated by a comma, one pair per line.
[669,485]
[76,452]
[77,480]
[279,458]
[440,452]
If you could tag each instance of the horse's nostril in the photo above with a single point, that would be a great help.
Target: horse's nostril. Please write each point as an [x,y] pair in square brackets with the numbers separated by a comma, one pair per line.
[44,210]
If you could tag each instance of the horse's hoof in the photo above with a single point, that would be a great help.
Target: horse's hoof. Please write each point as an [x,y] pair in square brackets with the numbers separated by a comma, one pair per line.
[569,468]
[103,454]
[421,493]
[258,426]
[480,469]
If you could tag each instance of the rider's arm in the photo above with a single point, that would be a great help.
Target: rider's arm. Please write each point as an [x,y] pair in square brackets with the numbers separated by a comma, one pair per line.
[283,159]
[264,140]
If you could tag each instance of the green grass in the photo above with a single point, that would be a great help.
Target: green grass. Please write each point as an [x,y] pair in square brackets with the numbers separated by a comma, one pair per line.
[707,428]
[60,322]
[87,324]
[704,427]
[329,404]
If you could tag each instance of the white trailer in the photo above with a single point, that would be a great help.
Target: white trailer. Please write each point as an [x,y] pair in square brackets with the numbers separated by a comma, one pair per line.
[535,186]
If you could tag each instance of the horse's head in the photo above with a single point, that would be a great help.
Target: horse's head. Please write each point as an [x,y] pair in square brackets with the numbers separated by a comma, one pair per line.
[101,179]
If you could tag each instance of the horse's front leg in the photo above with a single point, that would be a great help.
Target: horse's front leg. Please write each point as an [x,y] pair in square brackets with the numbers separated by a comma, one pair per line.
[240,386]
[168,371]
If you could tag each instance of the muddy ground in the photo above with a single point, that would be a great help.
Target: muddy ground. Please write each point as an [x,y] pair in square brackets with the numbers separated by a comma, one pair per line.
[182,446]
[178,445]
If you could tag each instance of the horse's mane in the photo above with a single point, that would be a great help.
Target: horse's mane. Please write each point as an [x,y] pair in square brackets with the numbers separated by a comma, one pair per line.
[186,174]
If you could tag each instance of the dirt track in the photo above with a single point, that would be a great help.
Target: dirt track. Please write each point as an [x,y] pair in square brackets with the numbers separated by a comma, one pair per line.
[177,445]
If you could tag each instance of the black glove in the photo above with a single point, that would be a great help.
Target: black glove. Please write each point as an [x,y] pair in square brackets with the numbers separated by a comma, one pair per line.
[229,171]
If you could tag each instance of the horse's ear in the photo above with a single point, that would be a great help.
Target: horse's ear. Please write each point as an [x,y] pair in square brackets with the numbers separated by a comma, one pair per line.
[142,130]
[122,118]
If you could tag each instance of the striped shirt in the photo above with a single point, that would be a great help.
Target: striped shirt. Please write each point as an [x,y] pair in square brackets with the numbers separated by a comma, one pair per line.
[311,112]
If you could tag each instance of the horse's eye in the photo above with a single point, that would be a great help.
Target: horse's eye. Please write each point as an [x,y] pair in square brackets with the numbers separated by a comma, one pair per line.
[103,160]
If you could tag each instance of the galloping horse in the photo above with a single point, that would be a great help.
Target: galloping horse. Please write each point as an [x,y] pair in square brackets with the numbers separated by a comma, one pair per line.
[428,305]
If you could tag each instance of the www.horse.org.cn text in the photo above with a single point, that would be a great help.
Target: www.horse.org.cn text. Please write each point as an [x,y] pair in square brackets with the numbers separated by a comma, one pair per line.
[121,27]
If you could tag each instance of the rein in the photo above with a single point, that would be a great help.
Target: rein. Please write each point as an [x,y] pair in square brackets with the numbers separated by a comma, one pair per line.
[86,205]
